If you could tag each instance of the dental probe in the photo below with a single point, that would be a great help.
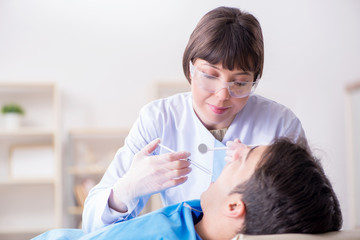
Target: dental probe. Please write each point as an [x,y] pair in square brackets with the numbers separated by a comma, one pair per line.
[203,148]
[205,170]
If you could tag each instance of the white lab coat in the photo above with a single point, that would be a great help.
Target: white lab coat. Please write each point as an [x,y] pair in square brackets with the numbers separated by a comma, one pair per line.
[173,121]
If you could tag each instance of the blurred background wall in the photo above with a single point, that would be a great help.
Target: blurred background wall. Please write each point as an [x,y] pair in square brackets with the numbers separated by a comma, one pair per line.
[107,55]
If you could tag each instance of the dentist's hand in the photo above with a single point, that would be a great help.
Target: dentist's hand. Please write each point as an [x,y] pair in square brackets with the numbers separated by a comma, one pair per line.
[236,150]
[149,174]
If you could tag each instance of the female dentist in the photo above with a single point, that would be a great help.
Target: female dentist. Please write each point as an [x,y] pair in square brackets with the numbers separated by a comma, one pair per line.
[223,62]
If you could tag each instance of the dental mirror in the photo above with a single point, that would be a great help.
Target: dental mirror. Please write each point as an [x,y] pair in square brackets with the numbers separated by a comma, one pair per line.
[202,168]
[203,148]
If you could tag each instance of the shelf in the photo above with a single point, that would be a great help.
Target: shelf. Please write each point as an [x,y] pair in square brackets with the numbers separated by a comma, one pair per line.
[85,133]
[23,132]
[22,178]
[86,170]
[91,150]
[18,88]
[23,230]
[38,181]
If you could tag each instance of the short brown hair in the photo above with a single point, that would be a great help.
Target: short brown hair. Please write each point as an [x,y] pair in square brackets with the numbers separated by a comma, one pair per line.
[228,36]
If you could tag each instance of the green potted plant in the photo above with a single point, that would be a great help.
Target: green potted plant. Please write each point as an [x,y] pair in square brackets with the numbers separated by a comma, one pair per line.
[12,115]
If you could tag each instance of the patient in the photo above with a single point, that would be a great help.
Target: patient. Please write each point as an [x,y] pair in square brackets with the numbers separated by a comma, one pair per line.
[280,188]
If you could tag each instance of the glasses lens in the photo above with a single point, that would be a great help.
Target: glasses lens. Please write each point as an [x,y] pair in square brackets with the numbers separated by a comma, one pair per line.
[206,82]
[238,89]
[241,89]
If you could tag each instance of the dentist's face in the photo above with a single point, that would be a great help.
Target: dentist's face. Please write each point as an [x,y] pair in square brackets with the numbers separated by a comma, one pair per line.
[216,110]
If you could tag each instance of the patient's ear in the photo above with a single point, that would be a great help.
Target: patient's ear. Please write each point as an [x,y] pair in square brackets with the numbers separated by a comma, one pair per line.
[235,207]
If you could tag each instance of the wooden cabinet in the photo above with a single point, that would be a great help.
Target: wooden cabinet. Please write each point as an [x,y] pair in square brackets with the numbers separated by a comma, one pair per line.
[30,162]
[90,153]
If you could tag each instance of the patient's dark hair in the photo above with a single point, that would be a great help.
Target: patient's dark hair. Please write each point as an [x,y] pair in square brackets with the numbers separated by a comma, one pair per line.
[289,193]
[229,36]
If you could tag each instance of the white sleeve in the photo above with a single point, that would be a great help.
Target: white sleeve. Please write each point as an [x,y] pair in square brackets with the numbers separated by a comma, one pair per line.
[296,133]
[96,212]
[293,128]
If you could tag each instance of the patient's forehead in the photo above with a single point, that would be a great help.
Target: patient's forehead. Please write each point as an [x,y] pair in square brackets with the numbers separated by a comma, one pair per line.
[256,153]
[243,169]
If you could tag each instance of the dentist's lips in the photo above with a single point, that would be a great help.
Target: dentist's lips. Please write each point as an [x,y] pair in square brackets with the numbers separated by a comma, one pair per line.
[218,110]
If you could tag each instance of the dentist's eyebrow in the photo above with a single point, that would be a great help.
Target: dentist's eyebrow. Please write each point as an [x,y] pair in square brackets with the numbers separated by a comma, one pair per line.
[248,154]
[210,65]
[215,67]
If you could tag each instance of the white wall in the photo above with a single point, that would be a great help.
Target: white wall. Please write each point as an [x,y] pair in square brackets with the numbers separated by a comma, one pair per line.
[106,55]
